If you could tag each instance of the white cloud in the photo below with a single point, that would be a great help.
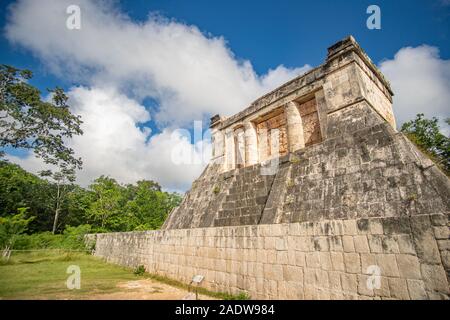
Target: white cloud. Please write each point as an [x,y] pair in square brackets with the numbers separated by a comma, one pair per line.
[420,80]
[189,73]
[114,145]
[118,63]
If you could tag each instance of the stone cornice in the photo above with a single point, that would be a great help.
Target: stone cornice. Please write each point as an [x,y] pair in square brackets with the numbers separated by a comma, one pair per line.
[340,51]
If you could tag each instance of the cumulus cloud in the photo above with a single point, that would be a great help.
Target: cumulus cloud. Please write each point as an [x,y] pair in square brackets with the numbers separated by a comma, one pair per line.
[114,145]
[421,83]
[191,74]
[118,63]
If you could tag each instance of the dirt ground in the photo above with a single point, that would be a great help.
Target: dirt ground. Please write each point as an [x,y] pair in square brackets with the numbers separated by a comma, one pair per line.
[43,276]
[146,290]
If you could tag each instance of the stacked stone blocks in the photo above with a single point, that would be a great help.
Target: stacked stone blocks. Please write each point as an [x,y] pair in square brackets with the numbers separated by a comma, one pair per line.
[309,260]
[351,198]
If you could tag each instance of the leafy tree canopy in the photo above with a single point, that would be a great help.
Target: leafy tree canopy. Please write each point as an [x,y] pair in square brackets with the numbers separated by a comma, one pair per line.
[106,205]
[11,227]
[26,121]
[426,135]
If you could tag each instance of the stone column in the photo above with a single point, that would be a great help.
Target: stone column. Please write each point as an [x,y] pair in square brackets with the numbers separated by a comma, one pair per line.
[240,152]
[294,127]
[322,113]
[218,148]
[251,143]
[229,149]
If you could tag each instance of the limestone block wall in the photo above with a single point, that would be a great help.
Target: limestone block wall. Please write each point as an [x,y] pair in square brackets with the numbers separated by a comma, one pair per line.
[328,259]
[363,169]
[373,93]
[359,197]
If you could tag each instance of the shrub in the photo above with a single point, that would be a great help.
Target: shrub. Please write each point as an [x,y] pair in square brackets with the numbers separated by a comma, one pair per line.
[243,296]
[11,227]
[240,296]
[42,240]
[425,134]
[140,270]
[71,239]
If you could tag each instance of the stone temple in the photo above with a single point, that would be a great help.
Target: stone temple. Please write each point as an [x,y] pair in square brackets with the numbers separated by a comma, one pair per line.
[309,190]
[339,155]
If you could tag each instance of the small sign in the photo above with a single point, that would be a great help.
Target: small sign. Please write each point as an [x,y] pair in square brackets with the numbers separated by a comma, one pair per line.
[197,278]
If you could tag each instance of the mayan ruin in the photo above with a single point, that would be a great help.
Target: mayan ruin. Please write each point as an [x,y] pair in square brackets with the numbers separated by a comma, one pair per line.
[308,190]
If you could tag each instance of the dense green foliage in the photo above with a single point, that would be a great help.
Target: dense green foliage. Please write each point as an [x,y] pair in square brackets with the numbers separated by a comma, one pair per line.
[114,207]
[71,239]
[104,206]
[20,189]
[29,122]
[12,227]
[55,202]
[426,135]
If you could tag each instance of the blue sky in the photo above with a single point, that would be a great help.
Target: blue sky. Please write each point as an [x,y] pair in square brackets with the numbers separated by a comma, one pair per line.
[269,33]
[252,38]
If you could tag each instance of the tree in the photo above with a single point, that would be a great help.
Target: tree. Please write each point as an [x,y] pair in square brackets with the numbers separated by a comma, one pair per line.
[63,180]
[76,206]
[21,189]
[10,228]
[107,205]
[426,135]
[142,206]
[26,121]
[17,188]
[149,206]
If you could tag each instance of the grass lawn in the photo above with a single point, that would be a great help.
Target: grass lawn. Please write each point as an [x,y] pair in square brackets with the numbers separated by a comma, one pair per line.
[42,275]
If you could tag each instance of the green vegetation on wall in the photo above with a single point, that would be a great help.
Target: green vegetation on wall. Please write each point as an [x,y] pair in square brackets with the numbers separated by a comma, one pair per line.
[425,133]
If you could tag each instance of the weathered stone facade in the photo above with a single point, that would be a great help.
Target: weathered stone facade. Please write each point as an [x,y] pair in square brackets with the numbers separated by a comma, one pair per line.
[308,187]
[339,155]
[328,259]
